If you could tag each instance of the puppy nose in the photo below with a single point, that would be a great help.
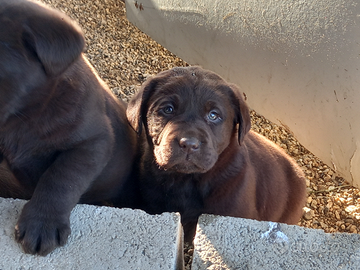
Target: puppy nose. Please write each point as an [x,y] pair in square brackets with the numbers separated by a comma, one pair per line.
[189,144]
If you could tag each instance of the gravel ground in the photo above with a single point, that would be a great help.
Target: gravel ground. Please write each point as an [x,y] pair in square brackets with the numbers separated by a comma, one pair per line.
[124,57]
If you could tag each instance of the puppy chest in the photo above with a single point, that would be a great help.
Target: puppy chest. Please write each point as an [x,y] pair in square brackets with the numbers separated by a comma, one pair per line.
[184,197]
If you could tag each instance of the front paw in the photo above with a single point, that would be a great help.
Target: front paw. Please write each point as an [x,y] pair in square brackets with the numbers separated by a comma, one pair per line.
[40,232]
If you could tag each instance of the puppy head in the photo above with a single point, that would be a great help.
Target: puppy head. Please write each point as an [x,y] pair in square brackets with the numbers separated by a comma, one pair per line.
[190,116]
[36,44]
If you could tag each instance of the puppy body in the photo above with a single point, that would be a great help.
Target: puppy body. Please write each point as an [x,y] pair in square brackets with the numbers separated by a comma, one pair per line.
[64,138]
[73,124]
[200,157]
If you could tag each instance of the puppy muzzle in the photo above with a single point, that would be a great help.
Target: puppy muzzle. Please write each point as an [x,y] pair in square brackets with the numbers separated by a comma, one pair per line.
[185,155]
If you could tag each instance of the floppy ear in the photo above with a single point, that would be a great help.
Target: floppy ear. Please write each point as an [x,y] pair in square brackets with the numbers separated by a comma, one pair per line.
[137,107]
[53,37]
[243,114]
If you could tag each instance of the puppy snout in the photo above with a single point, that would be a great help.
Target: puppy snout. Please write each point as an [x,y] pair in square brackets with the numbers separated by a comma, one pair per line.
[189,144]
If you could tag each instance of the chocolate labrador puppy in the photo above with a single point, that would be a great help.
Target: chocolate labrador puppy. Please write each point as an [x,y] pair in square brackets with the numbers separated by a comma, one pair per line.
[64,138]
[199,155]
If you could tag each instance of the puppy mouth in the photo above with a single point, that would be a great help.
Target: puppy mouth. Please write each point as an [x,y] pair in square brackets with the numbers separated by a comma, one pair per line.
[187,167]
[186,164]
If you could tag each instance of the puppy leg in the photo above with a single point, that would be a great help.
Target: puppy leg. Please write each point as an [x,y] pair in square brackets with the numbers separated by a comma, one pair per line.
[44,222]
[189,231]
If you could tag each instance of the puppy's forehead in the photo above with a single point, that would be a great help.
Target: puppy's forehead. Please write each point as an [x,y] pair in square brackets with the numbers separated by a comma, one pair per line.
[195,71]
[194,83]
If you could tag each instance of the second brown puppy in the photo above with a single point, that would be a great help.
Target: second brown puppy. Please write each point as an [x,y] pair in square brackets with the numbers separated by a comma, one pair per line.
[199,155]
[64,137]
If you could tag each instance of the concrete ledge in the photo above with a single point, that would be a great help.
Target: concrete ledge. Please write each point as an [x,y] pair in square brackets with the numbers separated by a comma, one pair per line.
[101,238]
[235,243]
[111,238]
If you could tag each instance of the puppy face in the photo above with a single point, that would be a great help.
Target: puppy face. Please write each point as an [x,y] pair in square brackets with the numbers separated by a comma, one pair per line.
[190,116]
[33,51]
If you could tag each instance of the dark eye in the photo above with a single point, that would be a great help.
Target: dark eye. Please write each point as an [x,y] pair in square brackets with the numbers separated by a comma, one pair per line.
[214,116]
[169,109]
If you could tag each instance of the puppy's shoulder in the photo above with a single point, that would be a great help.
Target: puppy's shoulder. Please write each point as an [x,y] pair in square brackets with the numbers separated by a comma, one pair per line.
[254,138]
[258,143]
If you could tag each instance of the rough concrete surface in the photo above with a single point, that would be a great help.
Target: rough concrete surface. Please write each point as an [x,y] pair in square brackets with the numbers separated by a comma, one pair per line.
[235,243]
[101,238]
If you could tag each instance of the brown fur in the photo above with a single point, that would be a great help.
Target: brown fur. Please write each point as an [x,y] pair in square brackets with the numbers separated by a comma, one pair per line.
[64,138]
[199,155]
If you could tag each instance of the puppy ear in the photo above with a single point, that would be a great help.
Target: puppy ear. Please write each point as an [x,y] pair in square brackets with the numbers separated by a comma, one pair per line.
[137,107]
[53,37]
[243,114]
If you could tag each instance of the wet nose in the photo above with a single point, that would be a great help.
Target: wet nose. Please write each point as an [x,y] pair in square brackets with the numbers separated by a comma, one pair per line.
[189,144]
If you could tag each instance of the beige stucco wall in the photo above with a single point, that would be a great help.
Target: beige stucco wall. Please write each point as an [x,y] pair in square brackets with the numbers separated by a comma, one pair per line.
[297,61]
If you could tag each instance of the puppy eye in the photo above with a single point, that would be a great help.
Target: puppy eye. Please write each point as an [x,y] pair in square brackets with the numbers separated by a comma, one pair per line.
[214,116]
[169,109]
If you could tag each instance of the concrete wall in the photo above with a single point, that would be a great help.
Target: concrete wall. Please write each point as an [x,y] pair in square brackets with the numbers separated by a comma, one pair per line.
[101,238]
[232,243]
[111,238]
[297,61]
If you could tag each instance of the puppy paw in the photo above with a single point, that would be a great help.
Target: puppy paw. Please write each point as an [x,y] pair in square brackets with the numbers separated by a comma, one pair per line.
[39,232]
